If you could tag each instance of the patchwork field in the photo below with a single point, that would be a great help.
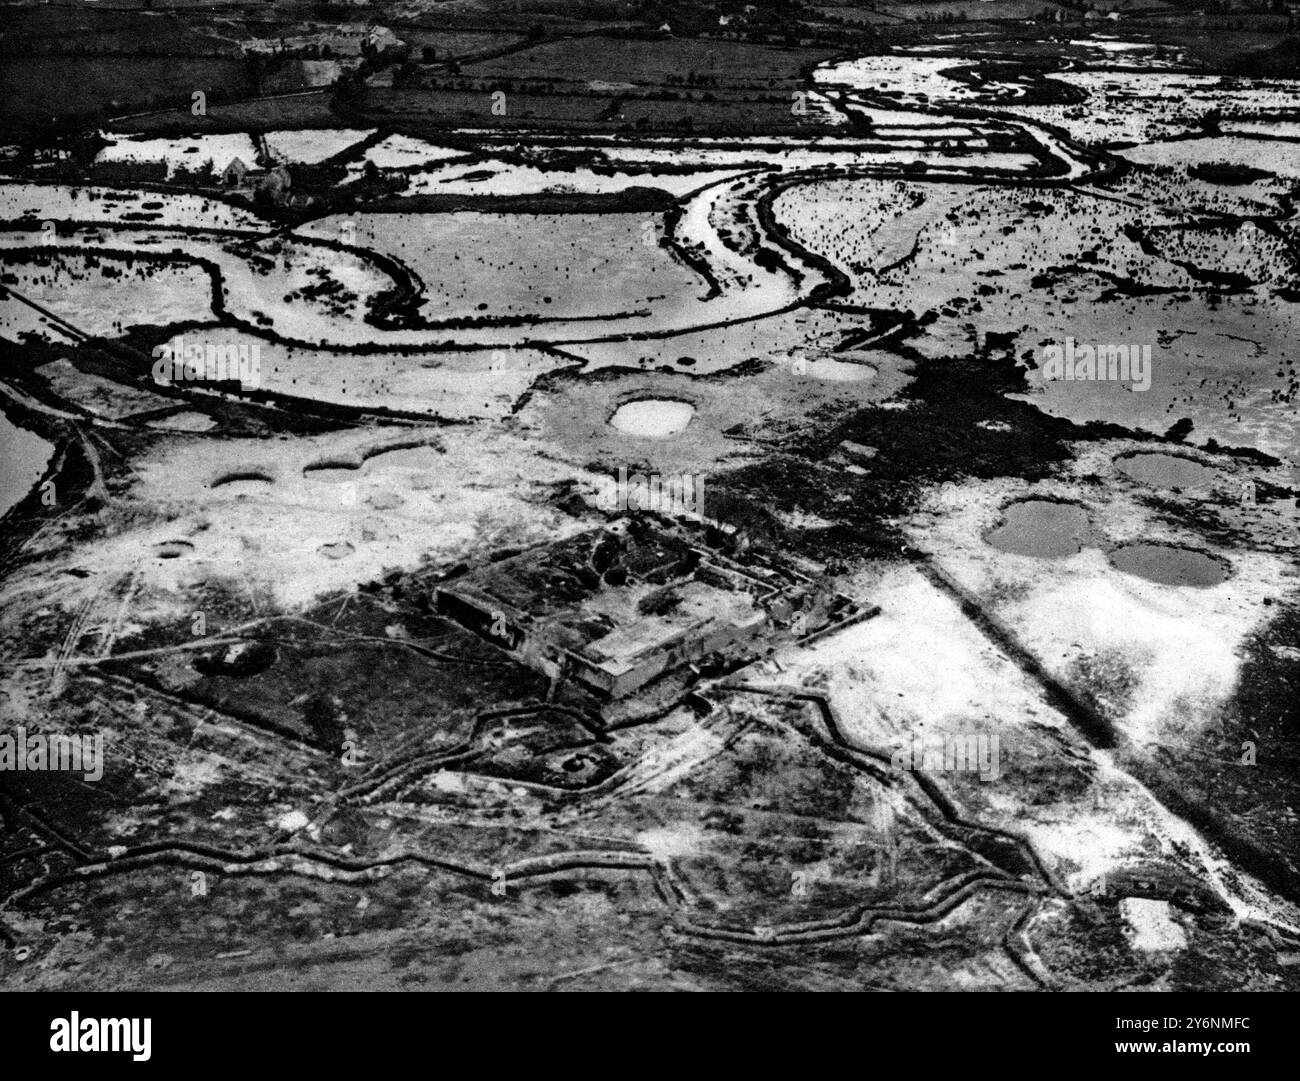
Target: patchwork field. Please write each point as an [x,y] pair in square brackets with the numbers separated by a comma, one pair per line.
[559,266]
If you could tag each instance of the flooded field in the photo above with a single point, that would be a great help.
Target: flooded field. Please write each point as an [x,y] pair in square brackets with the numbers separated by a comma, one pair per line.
[1279,158]
[495,266]
[26,456]
[551,505]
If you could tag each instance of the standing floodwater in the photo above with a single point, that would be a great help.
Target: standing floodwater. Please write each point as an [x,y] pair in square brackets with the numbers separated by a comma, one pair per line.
[1041,527]
[1169,565]
[652,418]
[24,456]
[1165,470]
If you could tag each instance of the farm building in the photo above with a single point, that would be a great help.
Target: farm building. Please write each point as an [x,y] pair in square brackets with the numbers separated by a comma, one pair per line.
[234,173]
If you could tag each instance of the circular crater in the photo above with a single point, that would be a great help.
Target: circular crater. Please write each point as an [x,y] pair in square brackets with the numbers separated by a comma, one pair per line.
[331,472]
[242,484]
[172,549]
[336,550]
[1045,528]
[188,421]
[576,769]
[652,418]
[423,457]
[1170,564]
[831,370]
[1161,470]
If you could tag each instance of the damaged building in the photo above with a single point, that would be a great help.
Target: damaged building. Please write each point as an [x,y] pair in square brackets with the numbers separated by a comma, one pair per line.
[636,603]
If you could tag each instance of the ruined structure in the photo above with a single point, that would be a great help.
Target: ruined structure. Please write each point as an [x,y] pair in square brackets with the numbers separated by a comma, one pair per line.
[621,607]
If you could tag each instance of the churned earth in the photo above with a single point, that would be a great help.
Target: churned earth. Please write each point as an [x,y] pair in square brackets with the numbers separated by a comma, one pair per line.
[313,777]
